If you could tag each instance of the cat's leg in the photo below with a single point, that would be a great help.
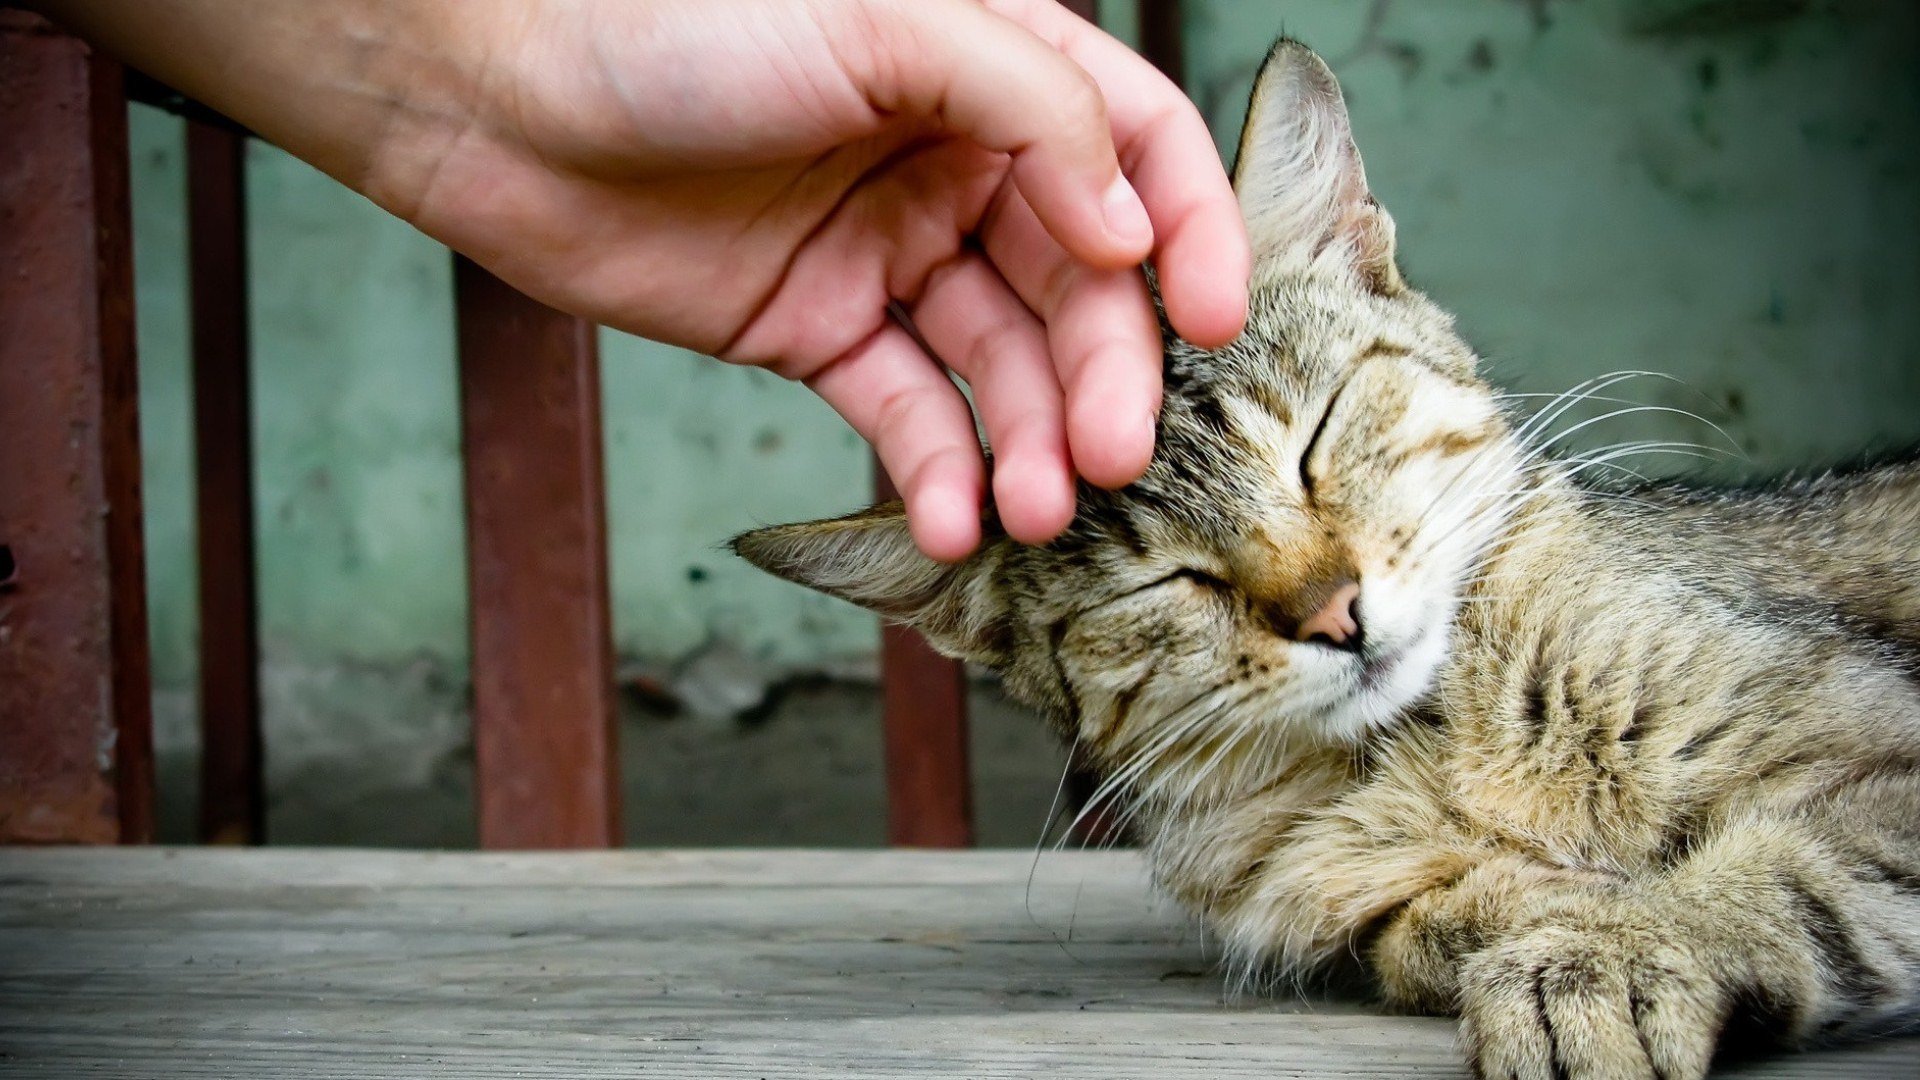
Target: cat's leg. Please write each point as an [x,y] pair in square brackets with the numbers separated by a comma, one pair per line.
[1418,949]
[1812,927]
[1546,967]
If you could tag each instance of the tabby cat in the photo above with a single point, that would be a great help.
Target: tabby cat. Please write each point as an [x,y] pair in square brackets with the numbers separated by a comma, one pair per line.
[1376,678]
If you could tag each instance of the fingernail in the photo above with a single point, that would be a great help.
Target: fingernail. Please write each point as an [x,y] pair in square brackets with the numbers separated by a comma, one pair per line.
[1126,218]
[1149,433]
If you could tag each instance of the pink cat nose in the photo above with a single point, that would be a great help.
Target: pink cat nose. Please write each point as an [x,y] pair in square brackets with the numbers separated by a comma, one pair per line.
[1338,620]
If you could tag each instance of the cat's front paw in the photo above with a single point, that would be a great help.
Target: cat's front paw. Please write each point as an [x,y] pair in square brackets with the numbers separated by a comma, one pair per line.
[1589,1004]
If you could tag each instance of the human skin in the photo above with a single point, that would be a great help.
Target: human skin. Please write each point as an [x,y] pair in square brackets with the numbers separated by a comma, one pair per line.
[770,182]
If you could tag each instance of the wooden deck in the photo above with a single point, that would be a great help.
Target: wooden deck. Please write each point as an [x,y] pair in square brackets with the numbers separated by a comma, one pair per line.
[161,963]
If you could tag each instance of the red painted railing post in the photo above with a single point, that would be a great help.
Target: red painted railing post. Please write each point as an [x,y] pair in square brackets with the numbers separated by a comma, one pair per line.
[76,744]
[232,789]
[545,772]
[924,734]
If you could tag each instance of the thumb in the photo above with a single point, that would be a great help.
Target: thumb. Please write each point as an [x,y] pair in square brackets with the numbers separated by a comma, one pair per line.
[987,78]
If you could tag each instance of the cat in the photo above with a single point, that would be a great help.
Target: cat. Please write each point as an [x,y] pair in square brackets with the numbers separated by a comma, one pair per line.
[1600,772]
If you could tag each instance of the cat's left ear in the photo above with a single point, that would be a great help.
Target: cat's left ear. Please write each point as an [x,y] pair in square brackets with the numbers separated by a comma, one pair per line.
[1302,188]
[869,558]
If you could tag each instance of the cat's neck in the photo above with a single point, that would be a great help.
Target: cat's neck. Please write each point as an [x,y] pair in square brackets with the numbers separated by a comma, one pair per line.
[1203,848]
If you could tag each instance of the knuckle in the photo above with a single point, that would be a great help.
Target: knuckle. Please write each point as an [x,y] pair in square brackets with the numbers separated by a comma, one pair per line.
[1028,426]
[895,415]
[950,459]
[1057,283]
[1080,361]
[1075,105]
[1001,339]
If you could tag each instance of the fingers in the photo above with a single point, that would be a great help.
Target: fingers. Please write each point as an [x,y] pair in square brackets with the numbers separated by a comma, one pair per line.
[991,80]
[1071,107]
[1203,257]
[1107,349]
[902,402]
[908,215]
[1202,251]
[976,324]
[1103,338]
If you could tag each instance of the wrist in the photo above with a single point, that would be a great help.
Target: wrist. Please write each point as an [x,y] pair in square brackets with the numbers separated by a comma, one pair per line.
[338,84]
[430,73]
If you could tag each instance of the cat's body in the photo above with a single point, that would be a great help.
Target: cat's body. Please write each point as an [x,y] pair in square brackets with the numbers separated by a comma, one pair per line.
[1375,681]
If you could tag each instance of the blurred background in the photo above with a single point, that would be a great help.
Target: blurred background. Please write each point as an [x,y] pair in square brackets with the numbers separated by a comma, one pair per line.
[1722,190]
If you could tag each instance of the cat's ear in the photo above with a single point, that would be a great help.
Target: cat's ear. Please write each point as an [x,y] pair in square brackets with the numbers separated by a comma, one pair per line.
[1301,185]
[869,558]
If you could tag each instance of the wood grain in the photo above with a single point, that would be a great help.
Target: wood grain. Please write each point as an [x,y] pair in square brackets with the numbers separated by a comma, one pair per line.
[158,963]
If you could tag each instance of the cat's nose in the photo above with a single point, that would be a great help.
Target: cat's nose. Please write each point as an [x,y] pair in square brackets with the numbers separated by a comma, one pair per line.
[1337,623]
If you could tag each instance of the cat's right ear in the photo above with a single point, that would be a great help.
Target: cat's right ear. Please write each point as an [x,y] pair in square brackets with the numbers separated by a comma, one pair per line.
[1298,174]
[870,559]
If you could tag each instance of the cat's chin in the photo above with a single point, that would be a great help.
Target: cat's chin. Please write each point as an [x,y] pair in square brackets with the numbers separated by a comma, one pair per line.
[1382,689]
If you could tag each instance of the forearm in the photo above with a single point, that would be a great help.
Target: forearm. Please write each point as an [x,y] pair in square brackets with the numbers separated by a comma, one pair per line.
[336,83]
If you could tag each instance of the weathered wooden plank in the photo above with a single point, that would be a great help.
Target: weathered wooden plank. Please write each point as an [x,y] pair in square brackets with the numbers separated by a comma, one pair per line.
[157,870]
[768,964]
[543,685]
[75,732]
[753,963]
[232,787]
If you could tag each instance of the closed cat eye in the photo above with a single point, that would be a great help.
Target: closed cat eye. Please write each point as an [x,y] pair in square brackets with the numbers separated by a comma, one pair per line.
[1198,577]
[1313,441]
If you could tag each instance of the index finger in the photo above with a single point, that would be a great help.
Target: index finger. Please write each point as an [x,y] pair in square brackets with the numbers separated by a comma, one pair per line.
[1201,251]
[996,82]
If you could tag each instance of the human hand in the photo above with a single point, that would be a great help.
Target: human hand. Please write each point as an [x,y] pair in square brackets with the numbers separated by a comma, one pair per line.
[762,179]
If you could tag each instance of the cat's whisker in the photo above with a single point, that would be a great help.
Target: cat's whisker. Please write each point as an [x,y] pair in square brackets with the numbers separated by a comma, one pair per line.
[1571,398]
[1616,414]
[1225,738]
[1053,815]
[1229,741]
[1447,490]
[1223,741]
[1697,449]
[1114,786]
[1479,459]
[1687,413]
[1590,390]
[1502,505]
[1528,433]
[1610,457]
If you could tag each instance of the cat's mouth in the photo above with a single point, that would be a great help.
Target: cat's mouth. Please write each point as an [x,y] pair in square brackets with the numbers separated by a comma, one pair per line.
[1378,664]
[1390,666]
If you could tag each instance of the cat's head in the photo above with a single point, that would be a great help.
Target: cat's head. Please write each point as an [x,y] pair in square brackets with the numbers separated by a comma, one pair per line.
[1318,500]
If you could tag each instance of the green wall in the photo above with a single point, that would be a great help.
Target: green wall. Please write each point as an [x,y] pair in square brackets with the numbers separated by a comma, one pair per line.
[1723,191]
